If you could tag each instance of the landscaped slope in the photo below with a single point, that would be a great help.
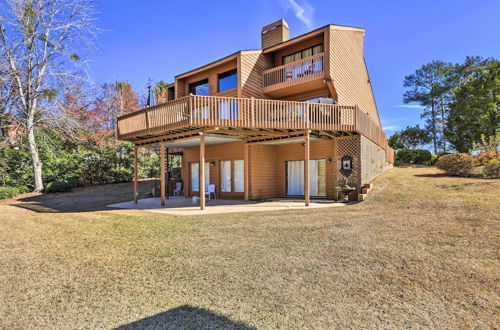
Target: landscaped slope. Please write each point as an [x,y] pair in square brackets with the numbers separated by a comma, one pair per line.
[422,250]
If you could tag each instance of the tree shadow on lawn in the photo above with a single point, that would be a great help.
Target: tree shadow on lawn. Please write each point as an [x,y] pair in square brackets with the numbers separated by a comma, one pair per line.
[186,317]
[87,199]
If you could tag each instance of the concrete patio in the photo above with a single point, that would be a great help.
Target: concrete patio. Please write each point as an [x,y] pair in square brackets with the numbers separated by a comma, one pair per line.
[183,206]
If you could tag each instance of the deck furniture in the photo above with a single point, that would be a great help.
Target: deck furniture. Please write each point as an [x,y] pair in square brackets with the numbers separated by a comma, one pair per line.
[210,191]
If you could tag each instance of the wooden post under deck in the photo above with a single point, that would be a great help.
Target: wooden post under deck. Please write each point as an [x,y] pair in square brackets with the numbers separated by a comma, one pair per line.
[162,172]
[136,176]
[306,167]
[202,172]
[246,150]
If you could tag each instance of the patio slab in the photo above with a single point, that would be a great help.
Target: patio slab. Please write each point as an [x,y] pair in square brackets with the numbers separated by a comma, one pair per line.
[184,206]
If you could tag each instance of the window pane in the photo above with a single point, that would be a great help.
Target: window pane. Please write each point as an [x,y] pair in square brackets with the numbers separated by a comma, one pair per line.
[207,174]
[199,87]
[194,177]
[225,167]
[321,172]
[287,59]
[295,177]
[228,80]
[307,52]
[317,49]
[239,175]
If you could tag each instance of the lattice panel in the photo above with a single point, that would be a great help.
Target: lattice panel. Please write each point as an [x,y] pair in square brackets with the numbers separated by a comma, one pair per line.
[349,147]
[373,160]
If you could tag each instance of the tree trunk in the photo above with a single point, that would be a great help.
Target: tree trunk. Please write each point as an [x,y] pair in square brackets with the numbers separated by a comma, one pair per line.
[434,131]
[443,119]
[37,164]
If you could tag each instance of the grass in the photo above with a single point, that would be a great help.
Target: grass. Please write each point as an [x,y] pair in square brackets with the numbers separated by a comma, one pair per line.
[422,251]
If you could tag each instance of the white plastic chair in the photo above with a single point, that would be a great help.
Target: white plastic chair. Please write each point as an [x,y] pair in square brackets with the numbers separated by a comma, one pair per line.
[210,190]
[178,188]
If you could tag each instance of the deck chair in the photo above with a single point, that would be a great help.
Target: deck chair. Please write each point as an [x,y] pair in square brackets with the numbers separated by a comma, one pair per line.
[210,190]
[178,188]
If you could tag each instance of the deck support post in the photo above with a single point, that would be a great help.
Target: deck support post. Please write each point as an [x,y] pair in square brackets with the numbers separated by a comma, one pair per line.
[136,176]
[307,153]
[162,172]
[246,151]
[202,171]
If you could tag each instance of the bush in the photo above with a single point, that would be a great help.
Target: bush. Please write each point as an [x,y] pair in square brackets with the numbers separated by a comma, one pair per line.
[492,169]
[124,175]
[456,164]
[58,186]
[435,158]
[9,192]
[485,157]
[413,156]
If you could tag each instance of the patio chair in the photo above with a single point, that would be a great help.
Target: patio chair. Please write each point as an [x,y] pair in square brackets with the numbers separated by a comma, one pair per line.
[210,190]
[178,188]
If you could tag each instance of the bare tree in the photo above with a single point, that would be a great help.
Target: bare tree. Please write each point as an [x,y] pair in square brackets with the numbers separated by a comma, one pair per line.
[42,45]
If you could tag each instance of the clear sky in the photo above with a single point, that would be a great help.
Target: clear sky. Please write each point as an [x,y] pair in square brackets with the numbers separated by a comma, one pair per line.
[158,39]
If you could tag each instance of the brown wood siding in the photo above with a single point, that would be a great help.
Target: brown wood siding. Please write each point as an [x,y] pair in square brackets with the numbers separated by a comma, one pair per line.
[252,64]
[266,166]
[263,180]
[348,71]
[319,150]
[211,74]
[213,153]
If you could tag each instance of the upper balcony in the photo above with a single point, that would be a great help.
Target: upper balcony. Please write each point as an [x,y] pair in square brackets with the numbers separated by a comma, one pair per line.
[248,114]
[294,77]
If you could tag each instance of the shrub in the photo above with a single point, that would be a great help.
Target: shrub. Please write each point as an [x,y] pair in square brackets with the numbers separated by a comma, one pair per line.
[435,158]
[456,164]
[124,175]
[413,156]
[9,192]
[485,157]
[58,186]
[492,169]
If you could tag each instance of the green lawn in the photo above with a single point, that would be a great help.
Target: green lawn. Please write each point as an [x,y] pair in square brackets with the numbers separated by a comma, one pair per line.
[422,251]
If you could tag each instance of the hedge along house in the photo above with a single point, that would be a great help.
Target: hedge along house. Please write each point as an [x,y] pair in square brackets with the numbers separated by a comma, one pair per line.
[271,122]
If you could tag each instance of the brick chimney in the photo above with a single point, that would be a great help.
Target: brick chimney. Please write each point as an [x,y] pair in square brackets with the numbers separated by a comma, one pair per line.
[275,33]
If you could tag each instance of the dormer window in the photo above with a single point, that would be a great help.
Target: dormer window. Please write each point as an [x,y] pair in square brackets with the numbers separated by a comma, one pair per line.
[227,80]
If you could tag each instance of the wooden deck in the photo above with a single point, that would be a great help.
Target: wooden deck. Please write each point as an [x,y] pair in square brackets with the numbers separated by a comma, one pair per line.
[247,113]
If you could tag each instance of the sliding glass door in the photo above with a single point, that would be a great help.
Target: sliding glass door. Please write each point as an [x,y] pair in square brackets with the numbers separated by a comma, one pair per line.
[232,178]
[295,177]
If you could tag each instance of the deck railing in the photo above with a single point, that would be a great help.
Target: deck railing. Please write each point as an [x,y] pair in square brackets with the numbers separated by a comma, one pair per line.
[294,73]
[250,113]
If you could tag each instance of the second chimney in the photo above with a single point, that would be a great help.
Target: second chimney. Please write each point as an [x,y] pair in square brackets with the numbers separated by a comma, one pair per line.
[275,33]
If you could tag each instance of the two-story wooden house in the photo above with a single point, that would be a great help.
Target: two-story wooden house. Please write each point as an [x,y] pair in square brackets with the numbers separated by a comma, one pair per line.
[271,122]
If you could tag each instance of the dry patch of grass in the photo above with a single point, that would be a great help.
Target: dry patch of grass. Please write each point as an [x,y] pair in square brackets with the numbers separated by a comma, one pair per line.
[422,251]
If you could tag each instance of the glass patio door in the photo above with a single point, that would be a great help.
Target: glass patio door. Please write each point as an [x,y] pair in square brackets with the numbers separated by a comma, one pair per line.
[195,176]
[295,177]
[232,178]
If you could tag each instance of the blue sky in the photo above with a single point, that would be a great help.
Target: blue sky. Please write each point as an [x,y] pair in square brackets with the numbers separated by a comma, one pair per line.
[158,39]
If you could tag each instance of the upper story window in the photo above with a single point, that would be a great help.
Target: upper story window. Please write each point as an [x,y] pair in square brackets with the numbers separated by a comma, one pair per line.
[228,80]
[199,87]
[303,54]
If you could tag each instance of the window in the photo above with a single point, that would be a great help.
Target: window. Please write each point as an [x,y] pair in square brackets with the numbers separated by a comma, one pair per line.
[302,54]
[239,176]
[199,87]
[295,177]
[195,180]
[232,176]
[228,80]
[225,167]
